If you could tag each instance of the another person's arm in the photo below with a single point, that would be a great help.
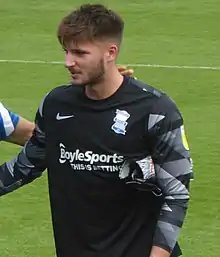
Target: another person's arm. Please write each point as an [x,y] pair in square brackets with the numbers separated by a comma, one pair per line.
[30,162]
[14,128]
[124,70]
[22,132]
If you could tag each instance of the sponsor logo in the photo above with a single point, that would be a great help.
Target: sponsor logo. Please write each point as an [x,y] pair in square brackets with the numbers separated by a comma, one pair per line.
[89,160]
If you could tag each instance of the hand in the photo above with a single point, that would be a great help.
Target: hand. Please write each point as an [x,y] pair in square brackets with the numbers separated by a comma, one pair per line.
[159,252]
[125,71]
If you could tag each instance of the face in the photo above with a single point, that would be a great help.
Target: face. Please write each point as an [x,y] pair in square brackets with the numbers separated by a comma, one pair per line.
[87,62]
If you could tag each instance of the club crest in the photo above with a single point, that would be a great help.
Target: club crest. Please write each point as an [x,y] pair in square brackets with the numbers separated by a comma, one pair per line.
[120,122]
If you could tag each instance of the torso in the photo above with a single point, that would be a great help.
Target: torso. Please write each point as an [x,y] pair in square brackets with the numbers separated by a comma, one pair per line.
[94,212]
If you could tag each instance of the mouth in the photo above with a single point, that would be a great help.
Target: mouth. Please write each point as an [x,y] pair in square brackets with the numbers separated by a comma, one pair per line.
[73,73]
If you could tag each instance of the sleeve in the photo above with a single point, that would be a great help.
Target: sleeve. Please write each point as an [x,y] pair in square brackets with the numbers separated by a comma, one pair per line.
[166,171]
[173,169]
[29,163]
[8,122]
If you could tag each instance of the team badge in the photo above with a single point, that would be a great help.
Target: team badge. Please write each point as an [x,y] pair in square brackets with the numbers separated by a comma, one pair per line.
[120,122]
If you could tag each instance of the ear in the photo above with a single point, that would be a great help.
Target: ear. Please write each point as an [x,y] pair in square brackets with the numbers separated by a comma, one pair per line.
[112,52]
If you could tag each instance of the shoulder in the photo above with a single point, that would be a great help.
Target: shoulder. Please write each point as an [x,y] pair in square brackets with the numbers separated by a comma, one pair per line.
[144,88]
[155,99]
[63,93]
[165,105]
[159,109]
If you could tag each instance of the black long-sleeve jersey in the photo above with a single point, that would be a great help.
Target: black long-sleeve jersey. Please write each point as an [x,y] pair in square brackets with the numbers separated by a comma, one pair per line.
[118,170]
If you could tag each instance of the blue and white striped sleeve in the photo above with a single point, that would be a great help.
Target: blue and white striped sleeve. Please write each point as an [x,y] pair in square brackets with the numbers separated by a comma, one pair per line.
[8,122]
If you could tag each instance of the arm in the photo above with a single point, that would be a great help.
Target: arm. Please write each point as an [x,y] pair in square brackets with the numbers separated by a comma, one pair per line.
[173,170]
[13,128]
[169,174]
[30,162]
[22,132]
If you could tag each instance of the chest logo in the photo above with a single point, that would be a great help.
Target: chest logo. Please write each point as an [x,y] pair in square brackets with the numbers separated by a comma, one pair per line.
[120,122]
[62,117]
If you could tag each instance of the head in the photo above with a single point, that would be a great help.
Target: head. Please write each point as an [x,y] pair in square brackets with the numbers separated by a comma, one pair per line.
[91,37]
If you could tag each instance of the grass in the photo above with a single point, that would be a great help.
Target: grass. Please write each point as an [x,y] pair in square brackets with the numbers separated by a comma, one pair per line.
[157,32]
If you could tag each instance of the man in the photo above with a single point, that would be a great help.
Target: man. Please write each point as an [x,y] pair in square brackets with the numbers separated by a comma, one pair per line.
[117,157]
[14,128]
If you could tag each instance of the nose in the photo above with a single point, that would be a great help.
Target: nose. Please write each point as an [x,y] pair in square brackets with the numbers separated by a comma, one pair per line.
[69,60]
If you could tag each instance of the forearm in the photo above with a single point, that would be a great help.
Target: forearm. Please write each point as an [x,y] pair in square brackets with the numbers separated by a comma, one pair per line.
[174,178]
[27,166]
[12,178]
[169,224]
[22,132]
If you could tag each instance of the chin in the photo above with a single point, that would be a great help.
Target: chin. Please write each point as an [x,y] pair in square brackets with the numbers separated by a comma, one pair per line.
[80,82]
[77,82]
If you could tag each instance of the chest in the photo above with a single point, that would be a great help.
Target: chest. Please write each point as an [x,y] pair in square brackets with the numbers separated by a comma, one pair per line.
[116,129]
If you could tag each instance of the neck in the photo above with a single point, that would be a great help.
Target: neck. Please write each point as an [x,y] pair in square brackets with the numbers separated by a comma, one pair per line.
[107,86]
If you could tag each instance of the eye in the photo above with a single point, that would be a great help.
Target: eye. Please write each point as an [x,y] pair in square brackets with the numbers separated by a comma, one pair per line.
[79,52]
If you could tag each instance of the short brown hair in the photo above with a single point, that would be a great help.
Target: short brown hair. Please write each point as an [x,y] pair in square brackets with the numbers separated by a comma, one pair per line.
[90,22]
